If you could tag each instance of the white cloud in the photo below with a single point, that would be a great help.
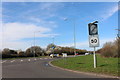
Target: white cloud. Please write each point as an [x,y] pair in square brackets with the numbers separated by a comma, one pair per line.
[13,33]
[51,6]
[42,22]
[16,31]
[110,12]
[16,45]
[43,10]
[85,44]
[78,44]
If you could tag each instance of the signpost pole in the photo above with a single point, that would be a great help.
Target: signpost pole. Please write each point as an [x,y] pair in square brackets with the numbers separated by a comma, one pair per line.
[34,44]
[93,39]
[94,58]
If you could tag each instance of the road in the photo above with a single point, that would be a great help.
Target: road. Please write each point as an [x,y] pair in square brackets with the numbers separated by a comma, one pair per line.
[39,68]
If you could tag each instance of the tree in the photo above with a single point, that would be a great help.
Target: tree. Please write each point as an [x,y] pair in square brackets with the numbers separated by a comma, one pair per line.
[51,46]
[6,53]
[34,51]
[110,49]
[60,50]
[21,54]
[50,49]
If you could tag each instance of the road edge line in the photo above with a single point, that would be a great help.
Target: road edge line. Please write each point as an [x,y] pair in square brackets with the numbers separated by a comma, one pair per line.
[87,73]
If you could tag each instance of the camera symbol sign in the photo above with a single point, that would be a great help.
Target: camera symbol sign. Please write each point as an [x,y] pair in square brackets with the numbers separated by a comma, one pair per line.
[94,42]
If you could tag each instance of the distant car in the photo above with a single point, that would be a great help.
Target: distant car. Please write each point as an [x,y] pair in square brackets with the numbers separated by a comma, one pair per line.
[87,53]
[64,54]
[54,55]
[51,55]
[76,54]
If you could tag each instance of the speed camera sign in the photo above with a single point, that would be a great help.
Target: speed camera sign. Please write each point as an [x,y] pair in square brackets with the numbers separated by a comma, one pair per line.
[93,41]
[93,30]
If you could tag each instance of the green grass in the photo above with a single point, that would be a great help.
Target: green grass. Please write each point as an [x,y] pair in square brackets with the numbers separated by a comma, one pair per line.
[107,66]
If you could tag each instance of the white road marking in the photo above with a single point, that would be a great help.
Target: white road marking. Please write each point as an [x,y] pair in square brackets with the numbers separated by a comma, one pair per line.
[35,59]
[28,59]
[3,61]
[46,64]
[40,58]
[12,61]
[21,60]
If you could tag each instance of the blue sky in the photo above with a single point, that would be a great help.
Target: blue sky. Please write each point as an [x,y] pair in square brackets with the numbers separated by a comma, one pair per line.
[46,19]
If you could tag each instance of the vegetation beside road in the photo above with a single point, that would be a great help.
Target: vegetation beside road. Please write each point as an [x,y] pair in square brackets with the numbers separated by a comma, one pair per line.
[110,49]
[107,66]
[38,51]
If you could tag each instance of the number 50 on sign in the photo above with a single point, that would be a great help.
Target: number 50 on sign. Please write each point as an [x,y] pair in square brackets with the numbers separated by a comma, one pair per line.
[93,41]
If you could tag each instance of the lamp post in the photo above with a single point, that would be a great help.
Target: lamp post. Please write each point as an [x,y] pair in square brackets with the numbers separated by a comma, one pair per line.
[74,34]
[34,42]
[53,44]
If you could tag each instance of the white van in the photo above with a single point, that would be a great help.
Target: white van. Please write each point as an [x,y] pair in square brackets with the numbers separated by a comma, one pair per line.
[87,53]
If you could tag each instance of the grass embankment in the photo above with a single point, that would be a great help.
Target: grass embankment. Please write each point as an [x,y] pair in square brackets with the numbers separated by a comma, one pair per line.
[107,66]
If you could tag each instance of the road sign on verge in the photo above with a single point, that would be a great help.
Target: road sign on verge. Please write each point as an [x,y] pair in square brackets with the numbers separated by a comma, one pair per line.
[93,38]
[93,41]
[93,30]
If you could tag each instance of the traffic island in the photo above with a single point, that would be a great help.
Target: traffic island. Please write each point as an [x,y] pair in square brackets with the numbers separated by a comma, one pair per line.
[106,67]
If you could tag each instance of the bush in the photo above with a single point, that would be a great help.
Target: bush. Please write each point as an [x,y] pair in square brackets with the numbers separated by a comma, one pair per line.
[7,53]
[110,49]
[34,50]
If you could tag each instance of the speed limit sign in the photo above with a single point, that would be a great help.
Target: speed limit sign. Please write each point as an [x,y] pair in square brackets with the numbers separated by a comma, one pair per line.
[93,41]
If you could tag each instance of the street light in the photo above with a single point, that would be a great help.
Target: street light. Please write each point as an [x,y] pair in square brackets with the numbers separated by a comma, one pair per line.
[34,41]
[74,35]
[53,44]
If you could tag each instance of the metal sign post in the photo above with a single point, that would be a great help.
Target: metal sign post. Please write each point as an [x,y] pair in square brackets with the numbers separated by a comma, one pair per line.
[93,39]
[95,59]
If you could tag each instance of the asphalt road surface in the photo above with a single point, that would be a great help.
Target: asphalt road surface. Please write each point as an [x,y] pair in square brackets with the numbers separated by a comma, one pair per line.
[36,68]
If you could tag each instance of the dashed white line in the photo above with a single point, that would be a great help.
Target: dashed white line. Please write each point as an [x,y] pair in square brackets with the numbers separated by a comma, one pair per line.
[3,61]
[40,58]
[12,61]
[35,59]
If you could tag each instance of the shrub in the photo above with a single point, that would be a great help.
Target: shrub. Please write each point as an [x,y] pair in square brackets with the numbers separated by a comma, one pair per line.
[110,49]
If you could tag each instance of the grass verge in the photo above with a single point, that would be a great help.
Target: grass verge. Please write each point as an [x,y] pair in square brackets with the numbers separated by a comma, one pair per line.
[107,66]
